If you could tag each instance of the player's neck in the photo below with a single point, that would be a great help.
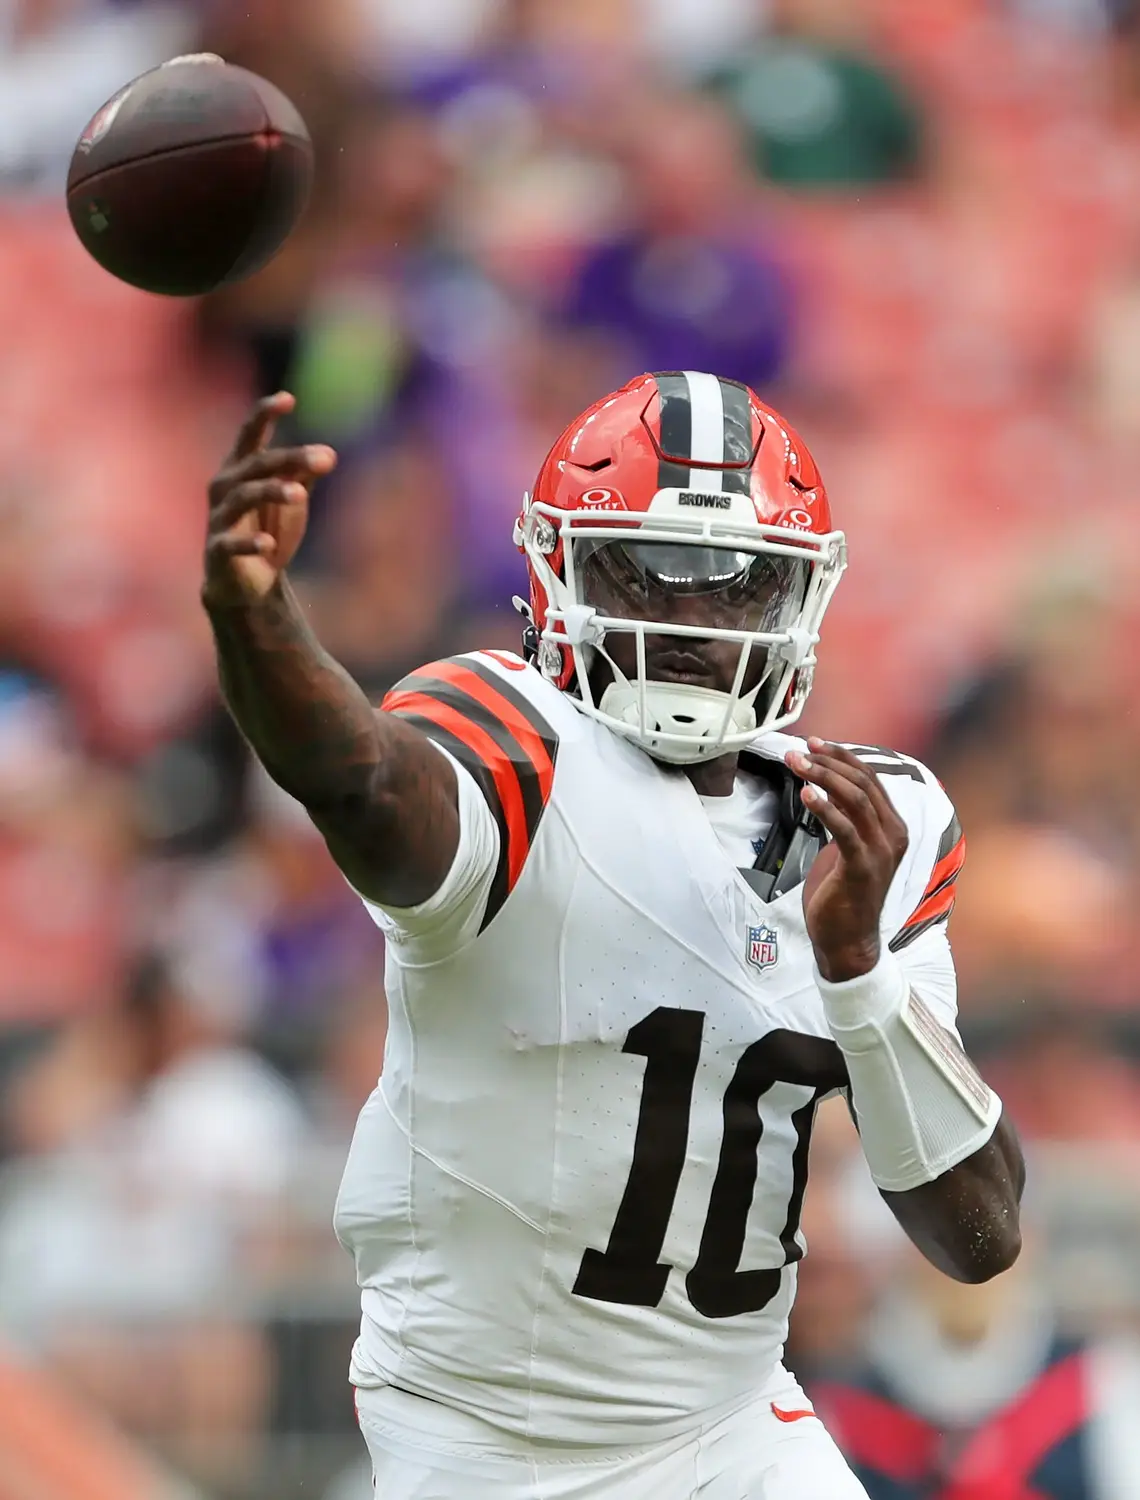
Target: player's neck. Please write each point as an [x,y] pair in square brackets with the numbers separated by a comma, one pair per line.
[714,778]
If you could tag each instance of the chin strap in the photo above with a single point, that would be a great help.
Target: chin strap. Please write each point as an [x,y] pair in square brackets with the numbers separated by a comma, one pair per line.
[531,638]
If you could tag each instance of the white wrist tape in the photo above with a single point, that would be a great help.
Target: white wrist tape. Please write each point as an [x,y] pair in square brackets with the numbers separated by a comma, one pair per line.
[921,1105]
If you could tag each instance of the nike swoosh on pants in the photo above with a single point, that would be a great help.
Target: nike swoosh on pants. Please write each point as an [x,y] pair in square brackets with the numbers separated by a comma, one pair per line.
[791,1416]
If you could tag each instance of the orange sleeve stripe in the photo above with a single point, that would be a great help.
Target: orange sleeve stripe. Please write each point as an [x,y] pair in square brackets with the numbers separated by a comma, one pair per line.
[528,737]
[947,868]
[491,725]
[939,896]
[530,741]
[938,905]
[480,743]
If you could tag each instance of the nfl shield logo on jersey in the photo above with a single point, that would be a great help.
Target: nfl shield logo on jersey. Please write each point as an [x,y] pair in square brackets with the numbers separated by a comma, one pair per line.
[762,947]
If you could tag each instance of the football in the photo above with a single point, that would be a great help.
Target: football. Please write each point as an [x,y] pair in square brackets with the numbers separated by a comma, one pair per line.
[191,176]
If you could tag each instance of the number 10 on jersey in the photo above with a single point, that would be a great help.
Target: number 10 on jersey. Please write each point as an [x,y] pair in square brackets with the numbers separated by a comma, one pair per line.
[630,1270]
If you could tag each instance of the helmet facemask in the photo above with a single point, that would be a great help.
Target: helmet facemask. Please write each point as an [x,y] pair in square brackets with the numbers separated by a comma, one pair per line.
[661,583]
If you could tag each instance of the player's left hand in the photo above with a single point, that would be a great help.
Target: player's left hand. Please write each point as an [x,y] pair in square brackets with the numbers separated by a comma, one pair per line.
[848,882]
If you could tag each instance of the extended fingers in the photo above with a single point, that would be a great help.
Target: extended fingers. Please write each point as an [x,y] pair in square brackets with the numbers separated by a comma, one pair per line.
[252,495]
[842,829]
[863,776]
[274,476]
[854,789]
[256,544]
[258,427]
[843,790]
[306,464]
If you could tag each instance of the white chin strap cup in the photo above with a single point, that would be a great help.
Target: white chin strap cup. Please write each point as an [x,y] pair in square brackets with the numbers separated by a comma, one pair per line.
[683,722]
[799,645]
[579,625]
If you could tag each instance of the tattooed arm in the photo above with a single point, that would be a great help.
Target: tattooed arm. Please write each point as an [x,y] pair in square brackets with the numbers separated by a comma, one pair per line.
[381,794]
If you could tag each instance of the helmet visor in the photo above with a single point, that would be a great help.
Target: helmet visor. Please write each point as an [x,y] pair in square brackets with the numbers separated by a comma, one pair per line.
[679,583]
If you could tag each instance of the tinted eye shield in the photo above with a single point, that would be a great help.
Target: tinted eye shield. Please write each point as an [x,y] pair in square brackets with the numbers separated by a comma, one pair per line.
[680,567]
[678,583]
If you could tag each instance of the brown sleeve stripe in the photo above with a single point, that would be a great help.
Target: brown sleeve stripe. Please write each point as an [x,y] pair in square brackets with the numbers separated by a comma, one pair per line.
[951,838]
[915,930]
[534,734]
[947,869]
[938,898]
[463,752]
[500,737]
[496,704]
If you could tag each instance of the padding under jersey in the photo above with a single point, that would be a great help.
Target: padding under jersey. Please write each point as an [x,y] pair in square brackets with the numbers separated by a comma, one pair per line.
[574,1198]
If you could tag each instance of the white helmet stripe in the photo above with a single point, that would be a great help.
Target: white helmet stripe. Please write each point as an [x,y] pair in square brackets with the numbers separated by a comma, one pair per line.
[706,402]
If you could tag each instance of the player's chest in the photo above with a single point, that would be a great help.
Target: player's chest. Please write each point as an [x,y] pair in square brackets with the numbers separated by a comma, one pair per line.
[659,912]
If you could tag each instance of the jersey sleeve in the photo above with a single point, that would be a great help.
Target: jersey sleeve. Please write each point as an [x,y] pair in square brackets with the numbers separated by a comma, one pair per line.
[456,912]
[935,902]
[929,967]
[493,732]
[925,886]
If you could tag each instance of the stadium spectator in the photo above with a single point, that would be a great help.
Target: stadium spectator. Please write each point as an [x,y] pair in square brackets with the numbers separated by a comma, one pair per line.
[968,1393]
[1033,812]
[67,857]
[268,908]
[1071,1079]
[822,110]
[158,1148]
[687,281]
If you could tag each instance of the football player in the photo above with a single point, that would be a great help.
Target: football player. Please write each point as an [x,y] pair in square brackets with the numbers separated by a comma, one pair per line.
[635,933]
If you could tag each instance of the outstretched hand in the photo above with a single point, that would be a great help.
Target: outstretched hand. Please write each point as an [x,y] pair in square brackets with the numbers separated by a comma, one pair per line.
[259,503]
[848,882]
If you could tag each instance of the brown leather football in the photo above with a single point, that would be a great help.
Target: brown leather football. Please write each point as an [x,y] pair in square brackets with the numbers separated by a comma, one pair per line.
[189,177]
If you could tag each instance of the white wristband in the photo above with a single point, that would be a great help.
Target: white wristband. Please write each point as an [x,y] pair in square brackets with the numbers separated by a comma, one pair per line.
[857,1008]
[920,1103]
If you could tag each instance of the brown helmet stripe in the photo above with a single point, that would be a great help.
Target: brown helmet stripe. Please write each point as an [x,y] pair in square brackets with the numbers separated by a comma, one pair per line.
[675,442]
[738,444]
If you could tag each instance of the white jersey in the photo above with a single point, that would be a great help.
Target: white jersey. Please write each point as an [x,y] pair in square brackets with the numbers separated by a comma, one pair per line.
[574,1197]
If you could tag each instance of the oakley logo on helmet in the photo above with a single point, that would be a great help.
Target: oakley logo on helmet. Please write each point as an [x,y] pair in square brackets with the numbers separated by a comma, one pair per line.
[602,500]
[800,519]
[705,502]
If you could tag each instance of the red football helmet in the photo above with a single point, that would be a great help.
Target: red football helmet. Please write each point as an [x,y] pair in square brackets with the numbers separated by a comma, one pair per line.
[681,484]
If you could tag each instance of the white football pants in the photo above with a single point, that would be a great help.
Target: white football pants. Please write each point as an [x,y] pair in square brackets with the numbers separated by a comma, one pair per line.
[423,1451]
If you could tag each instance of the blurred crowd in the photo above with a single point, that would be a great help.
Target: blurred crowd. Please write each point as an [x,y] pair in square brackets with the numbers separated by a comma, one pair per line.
[915,228]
